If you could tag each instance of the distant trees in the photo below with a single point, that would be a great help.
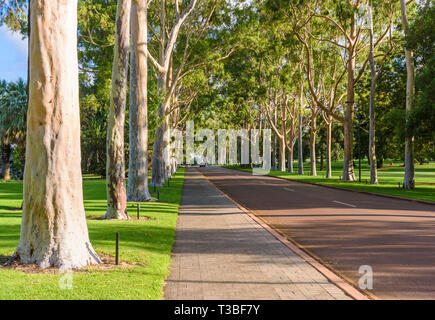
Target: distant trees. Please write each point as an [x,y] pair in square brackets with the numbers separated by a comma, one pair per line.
[408,180]
[421,120]
[167,82]
[13,96]
[13,115]
[96,40]
[298,67]
[337,27]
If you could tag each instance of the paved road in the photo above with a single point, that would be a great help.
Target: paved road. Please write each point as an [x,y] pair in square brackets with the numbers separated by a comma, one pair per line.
[346,229]
[221,253]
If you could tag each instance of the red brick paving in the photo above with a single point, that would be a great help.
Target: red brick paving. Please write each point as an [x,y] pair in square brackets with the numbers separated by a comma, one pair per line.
[346,229]
[221,253]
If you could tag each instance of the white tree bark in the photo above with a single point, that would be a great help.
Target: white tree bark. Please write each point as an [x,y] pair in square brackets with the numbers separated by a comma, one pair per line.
[313,138]
[53,228]
[138,165]
[282,148]
[290,159]
[159,168]
[329,147]
[115,167]
[351,49]
[348,167]
[372,129]
[291,138]
[301,124]
[408,181]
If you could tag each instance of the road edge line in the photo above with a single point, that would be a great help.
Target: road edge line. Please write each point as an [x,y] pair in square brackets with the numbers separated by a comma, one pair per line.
[308,257]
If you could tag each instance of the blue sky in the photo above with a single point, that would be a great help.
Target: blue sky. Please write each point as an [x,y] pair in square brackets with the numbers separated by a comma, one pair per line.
[13,55]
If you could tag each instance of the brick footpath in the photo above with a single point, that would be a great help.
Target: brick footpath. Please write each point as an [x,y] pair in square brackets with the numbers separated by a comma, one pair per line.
[220,253]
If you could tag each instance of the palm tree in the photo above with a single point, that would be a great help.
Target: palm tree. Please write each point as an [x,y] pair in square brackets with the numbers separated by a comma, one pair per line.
[13,111]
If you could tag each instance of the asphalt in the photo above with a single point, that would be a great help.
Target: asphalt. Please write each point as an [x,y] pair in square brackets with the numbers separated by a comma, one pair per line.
[345,229]
[221,253]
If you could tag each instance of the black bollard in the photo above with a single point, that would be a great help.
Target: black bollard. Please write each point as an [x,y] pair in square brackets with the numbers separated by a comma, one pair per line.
[138,211]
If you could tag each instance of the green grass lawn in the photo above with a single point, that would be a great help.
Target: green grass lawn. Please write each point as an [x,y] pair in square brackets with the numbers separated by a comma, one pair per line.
[389,177]
[145,242]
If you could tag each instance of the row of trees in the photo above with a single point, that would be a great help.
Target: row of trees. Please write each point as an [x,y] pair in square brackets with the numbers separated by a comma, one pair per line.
[297,66]
[54,231]
[132,23]
[178,40]
[311,66]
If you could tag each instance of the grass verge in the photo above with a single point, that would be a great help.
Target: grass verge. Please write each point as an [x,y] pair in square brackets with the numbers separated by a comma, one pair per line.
[389,179]
[147,243]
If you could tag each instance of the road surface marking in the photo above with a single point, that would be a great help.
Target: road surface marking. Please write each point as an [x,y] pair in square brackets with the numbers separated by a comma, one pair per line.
[346,204]
[288,189]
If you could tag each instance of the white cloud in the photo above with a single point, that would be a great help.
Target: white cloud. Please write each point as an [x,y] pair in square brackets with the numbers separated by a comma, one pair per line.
[13,55]
[14,38]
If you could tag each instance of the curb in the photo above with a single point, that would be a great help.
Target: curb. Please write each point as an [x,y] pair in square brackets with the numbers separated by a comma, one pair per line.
[307,256]
[347,189]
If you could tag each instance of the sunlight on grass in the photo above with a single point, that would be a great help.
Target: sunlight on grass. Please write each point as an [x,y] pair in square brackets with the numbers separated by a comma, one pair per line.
[146,242]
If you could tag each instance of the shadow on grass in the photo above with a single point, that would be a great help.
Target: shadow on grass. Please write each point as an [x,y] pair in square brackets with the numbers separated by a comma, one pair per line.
[155,235]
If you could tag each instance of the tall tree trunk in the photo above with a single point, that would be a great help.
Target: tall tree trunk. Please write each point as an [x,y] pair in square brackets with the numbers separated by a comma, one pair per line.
[158,174]
[372,129]
[166,160]
[313,136]
[380,163]
[137,189]
[166,47]
[158,166]
[301,147]
[6,161]
[321,161]
[274,160]
[408,181]
[169,123]
[53,227]
[348,167]
[115,167]
[329,148]
[313,167]
[282,155]
[290,158]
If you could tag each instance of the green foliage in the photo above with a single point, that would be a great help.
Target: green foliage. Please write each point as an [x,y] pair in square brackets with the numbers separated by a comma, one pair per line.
[93,135]
[422,117]
[13,111]
[13,13]
[146,244]
[247,50]
[96,38]
[389,109]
